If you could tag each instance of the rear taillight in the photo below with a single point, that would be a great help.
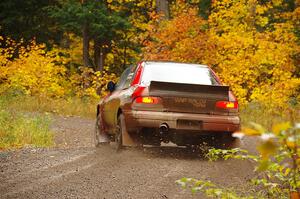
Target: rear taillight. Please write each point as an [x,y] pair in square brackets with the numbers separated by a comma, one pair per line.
[227,105]
[147,100]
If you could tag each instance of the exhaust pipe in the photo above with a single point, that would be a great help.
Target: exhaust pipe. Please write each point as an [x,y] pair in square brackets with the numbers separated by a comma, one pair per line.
[163,128]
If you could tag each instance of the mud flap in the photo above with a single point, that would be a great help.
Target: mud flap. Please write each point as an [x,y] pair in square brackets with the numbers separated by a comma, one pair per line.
[127,139]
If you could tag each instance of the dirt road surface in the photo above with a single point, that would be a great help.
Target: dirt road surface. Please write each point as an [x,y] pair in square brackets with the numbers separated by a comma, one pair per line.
[75,169]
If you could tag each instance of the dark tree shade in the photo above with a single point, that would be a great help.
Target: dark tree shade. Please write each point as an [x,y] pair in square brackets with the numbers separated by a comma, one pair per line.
[205,8]
[27,19]
[94,21]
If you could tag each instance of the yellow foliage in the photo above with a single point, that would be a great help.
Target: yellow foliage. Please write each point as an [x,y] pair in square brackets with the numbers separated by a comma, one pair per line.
[30,70]
[258,66]
[90,83]
[34,71]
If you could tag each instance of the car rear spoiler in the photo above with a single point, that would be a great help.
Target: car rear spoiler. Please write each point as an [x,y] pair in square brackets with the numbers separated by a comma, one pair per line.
[219,92]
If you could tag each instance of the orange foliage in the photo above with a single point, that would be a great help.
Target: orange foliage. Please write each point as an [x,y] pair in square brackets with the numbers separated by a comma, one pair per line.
[183,39]
[259,65]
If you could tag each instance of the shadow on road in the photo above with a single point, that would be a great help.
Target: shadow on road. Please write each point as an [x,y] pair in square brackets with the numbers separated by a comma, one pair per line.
[173,152]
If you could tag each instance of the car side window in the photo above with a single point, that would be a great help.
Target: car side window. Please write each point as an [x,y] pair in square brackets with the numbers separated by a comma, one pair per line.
[121,83]
[129,77]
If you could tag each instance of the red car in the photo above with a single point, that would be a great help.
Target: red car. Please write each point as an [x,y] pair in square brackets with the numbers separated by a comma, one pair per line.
[156,102]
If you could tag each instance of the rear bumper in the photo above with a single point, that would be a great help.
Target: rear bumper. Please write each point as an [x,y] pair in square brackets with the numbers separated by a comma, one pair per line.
[181,121]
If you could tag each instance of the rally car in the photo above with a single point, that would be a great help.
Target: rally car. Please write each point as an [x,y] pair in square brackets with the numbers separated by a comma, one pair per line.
[155,102]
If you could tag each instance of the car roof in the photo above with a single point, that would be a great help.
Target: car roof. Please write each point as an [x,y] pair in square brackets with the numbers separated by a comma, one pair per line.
[168,63]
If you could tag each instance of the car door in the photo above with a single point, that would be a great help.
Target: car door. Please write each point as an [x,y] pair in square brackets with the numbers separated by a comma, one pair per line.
[112,103]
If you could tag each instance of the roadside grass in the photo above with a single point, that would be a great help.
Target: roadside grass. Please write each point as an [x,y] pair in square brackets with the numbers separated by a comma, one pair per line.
[18,130]
[25,121]
[67,107]
[263,115]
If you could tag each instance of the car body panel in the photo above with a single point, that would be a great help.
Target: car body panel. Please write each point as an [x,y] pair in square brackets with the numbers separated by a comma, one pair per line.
[182,121]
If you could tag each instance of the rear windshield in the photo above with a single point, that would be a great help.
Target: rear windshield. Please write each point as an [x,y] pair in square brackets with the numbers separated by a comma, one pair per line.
[178,73]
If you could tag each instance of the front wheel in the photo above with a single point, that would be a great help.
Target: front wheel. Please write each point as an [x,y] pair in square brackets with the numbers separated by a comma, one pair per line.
[120,128]
[99,136]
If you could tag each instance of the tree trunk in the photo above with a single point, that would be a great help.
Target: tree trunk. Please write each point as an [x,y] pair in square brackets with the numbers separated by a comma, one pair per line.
[162,7]
[86,42]
[86,45]
[99,55]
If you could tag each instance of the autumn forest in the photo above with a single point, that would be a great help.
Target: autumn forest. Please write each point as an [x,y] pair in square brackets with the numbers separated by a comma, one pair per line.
[71,48]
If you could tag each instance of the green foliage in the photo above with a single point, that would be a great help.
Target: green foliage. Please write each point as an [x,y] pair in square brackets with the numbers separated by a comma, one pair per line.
[125,49]
[94,20]
[210,189]
[103,23]
[236,153]
[27,19]
[205,8]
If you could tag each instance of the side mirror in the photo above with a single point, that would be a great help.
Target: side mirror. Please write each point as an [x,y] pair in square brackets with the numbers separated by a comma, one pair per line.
[111,86]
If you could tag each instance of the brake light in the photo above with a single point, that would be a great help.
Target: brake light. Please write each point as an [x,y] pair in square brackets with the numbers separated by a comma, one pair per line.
[147,100]
[227,104]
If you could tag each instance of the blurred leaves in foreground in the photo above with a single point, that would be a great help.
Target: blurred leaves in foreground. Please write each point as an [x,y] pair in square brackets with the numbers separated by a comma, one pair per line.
[278,164]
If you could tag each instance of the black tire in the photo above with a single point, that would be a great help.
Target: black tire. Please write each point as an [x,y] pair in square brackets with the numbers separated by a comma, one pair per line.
[120,128]
[99,137]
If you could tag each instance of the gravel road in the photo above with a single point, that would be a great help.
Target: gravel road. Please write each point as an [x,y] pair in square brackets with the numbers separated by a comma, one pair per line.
[75,169]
